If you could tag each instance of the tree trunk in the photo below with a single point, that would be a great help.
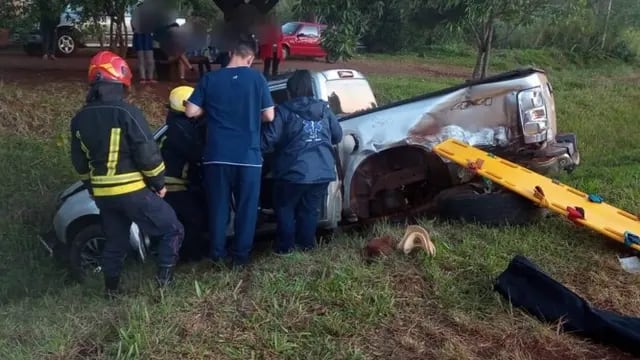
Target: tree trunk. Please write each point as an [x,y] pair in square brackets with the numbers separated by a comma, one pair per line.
[606,26]
[125,38]
[100,30]
[476,68]
[111,34]
[487,53]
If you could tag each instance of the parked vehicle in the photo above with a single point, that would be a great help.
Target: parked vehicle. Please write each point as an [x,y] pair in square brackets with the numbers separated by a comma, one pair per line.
[302,39]
[385,163]
[73,33]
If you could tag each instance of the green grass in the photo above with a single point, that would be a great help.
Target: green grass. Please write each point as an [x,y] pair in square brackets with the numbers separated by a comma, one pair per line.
[327,304]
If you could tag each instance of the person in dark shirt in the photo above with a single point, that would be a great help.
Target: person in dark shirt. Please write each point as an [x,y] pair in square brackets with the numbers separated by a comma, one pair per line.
[235,100]
[301,138]
[49,12]
[115,153]
[182,146]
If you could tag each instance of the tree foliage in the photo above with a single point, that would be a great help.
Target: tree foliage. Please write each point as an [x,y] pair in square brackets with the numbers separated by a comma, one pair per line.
[347,21]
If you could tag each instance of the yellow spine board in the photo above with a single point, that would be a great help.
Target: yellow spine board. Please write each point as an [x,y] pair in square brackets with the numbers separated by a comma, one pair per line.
[601,217]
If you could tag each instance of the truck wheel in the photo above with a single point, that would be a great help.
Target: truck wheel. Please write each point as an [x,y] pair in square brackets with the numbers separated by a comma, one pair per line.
[66,43]
[497,208]
[85,254]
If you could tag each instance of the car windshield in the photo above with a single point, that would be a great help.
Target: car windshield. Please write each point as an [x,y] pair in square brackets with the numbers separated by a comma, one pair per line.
[347,97]
[289,28]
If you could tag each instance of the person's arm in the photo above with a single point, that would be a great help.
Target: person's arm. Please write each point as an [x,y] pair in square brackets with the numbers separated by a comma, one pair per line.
[185,141]
[334,124]
[272,132]
[80,158]
[145,151]
[267,106]
[195,104]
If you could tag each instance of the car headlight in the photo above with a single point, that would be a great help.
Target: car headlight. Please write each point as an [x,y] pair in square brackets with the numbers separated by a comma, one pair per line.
[533,115]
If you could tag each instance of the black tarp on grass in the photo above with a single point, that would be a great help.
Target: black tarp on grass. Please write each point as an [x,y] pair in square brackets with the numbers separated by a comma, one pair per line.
[529,288]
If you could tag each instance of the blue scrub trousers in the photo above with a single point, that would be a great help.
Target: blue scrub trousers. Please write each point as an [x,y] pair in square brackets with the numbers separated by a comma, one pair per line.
[297,208]
[243,182]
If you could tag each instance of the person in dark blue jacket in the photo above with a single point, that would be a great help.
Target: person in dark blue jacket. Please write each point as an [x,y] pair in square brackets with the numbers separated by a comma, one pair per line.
[301,137]
[182,146]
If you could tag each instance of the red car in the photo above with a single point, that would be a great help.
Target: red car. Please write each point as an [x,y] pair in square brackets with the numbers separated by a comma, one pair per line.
[302,39]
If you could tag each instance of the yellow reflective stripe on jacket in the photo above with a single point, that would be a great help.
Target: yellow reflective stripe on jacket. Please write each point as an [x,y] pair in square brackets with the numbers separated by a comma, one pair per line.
[119,189]
[174,188]
[169,180]
[84,176]
[114,150]
[116,179]
[154,172]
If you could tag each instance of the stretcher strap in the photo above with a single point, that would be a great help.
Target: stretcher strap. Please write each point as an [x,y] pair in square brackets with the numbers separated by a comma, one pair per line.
[474,166]
[575,214]
[631,239]
[595,198]
[538,193]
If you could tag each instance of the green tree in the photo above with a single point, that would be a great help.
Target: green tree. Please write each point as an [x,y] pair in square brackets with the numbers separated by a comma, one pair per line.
[480,18]
[347,22]
[91,10]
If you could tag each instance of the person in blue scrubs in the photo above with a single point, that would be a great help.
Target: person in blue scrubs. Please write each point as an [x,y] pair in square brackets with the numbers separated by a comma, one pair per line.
[235,100]
[301,138]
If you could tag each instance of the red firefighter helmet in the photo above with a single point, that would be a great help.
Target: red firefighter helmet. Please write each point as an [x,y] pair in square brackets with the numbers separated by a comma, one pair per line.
[109,67]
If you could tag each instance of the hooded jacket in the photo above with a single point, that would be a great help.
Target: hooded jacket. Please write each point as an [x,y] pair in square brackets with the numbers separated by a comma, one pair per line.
[302,136]
[181,146]
[112,147]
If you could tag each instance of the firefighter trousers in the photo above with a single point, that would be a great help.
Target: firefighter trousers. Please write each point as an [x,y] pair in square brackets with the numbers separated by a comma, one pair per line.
[154,217]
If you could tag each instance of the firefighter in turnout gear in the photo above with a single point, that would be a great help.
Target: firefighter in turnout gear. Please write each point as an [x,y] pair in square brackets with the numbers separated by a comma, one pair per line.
[113,150]
[182,146]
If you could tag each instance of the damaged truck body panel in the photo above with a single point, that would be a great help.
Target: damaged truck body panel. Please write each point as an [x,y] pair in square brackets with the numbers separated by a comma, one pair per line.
[391,167]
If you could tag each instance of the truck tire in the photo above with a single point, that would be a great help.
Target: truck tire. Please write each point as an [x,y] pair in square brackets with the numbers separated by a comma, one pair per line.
[85,253]
[498,208]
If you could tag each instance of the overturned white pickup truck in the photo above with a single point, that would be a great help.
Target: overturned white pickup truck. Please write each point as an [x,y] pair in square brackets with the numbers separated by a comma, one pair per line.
[385,164]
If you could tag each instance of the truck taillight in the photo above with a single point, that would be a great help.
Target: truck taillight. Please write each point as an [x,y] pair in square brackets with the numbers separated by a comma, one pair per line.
[533,115]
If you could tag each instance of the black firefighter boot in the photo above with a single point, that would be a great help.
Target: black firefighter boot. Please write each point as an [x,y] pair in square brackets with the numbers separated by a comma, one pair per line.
[111,287]
[164,276]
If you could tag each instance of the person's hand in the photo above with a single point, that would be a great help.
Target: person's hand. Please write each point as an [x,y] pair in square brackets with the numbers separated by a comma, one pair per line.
[162,192]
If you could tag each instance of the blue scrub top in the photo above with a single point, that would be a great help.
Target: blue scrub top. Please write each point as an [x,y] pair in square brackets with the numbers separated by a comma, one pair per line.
[233,100]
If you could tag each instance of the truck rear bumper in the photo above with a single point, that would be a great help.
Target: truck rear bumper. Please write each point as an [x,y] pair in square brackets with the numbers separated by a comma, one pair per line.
[561,155]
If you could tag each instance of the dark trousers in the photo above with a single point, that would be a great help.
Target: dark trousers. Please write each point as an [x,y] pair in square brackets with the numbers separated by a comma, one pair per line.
[49,39]
[191,211]
[152,215]
[243,183]
[203,68]
[297,208]
[271,63]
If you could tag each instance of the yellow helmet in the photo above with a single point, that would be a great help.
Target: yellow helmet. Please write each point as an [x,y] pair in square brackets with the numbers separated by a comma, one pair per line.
[178,97]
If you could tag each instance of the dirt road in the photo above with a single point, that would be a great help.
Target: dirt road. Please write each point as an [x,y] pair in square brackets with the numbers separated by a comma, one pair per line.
[16,66]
